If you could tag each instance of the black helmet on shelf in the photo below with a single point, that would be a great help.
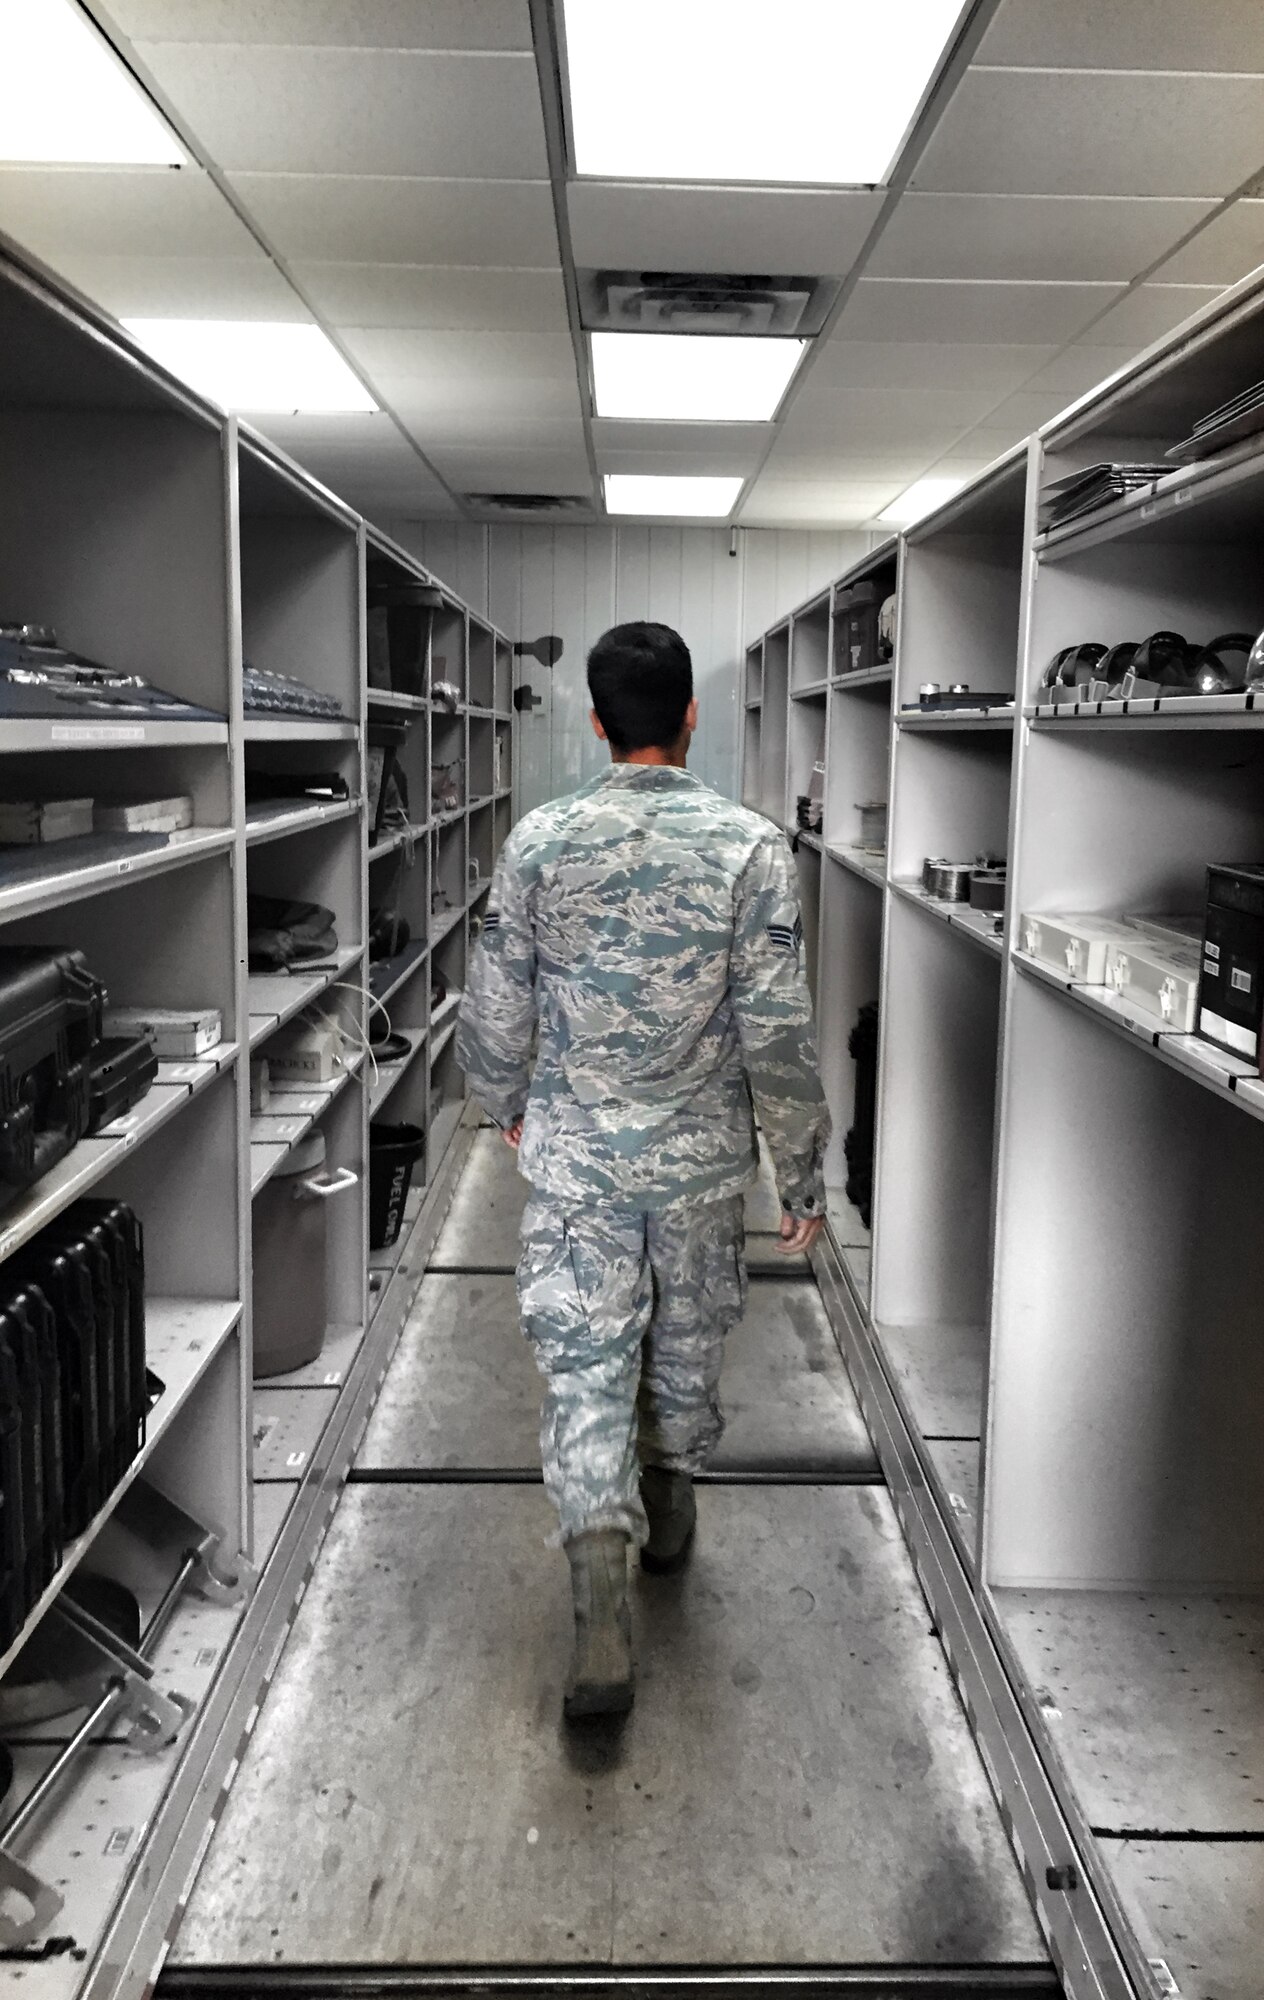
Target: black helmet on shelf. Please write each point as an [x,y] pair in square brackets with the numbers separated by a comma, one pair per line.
[1052,674]
[1255,667]
[1081,664]
[1115,664]
[1221,667]
[1165,659]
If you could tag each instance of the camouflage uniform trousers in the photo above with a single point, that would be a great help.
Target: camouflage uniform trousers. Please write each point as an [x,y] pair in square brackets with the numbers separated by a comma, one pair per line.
[627,1310]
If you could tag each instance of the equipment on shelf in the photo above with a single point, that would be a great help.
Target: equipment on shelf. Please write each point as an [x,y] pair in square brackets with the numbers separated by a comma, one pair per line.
[267,693]
[858,1146]
[447,786]
[306,1051]
[285,934]
[39,822]
[1094,486]
[271,787]
[170,815]
[290,1235]
[932,699]
[873,826]
[400,619]
[388,933]
[25,865]
[811,804]
[446,696]
[39,680]
[385,778]
[1073,945]
[1157,977]
[1241,417]
[176,1034]
[886,630]
[949,881]
[857,612]
[50,1020]
[1229,993]
[1223,666]
[394,1151]
[75,1393]
[121,1071]
[260,1085]
[987,886]
[1165,664]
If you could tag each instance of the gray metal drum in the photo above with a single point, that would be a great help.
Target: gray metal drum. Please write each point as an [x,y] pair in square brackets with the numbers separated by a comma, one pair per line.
[289,1287]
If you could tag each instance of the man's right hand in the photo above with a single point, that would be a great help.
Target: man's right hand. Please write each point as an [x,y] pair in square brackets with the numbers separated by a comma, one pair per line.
[511,1134]
[799,1233]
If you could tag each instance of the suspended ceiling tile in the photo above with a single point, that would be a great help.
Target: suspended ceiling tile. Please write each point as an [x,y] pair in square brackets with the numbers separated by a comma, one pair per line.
[1028,236]
[1078,369]
[357,111]
[788,462]
[743,440]
[892,364]
[462,412]
[389,220]
[1066,132]
[1127,34]
[952,312]
[810,507]
[401,352]
[747,230]
[394,24]
[156,212]
[1230,246]
[480,428]
[979,447]
[1150,312]
[512,472]
[351,429]
[186,287]
[1028,411]
[714,461]
[435,297]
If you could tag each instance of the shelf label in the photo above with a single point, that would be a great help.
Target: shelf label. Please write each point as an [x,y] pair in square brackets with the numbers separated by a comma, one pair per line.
[296,1461]
[98,732]
[123,867]
[120,1840]
[334,1379]
[1163,1976]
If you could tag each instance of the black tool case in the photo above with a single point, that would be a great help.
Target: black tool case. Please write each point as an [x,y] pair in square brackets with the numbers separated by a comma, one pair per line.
[120,1073]
[50,1019]
[28,1333]
[115,1231]
[64,1276]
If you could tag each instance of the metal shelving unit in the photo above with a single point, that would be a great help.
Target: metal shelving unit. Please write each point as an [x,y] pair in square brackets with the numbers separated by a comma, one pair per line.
[1054,1325]
[225,548]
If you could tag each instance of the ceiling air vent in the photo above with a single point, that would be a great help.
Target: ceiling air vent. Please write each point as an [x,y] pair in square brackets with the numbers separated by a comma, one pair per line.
[703,302]
[530,503]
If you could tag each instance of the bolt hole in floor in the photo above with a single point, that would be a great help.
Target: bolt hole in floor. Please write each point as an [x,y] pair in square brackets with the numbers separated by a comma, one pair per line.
[795,1796]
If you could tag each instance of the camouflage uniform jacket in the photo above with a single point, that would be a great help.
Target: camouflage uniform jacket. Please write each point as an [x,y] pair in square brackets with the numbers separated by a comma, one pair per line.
[646,933]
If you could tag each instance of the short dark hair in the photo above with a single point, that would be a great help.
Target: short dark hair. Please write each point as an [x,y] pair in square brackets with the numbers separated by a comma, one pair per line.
[640,677]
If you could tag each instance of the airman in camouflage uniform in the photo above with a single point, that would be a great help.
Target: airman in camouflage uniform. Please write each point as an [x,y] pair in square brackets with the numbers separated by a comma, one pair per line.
[643,942]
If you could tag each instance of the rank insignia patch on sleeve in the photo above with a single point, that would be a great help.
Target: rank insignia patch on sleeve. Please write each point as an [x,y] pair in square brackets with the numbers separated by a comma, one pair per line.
[786,937]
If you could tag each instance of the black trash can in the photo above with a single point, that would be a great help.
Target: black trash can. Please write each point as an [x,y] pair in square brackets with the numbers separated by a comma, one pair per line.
[394,1151]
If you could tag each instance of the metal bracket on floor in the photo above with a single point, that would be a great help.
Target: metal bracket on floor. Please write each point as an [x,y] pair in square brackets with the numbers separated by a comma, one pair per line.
[156,1718]
[27,1905]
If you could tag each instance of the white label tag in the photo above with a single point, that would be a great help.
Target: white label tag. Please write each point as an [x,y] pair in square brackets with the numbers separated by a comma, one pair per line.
[98,732]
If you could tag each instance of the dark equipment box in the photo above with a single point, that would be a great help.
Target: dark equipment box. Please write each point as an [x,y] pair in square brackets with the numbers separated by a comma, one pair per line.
[50,1019]
[1230,984]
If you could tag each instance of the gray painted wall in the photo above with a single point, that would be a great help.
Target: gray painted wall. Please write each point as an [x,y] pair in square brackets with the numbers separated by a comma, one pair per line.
[578,581]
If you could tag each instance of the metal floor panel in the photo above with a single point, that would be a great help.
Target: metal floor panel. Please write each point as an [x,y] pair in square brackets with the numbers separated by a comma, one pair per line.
[481,1230]
[796,1785]
[939,1374]
[1155,1702]
[1198,1910]
[462,1390]
[957,1466]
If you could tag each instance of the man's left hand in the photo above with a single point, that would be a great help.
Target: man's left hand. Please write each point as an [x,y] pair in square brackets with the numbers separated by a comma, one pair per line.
[799,1233]
[512,1134]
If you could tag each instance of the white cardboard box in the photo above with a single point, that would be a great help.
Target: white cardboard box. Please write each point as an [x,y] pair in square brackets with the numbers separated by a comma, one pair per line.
[1076,946]
[1158,979]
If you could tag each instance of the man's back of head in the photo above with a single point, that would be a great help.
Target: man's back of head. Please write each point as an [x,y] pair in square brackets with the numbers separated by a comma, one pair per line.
[640,677]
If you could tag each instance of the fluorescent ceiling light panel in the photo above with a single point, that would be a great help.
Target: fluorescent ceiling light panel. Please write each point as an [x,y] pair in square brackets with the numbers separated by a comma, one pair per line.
[919,499]
[255,365]
[664,494]
[692,377]
[68,100]
[816,91]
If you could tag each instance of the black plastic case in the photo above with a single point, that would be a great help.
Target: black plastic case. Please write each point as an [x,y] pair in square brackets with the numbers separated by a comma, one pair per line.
[1231,985]
[50,1018]
[119,1075]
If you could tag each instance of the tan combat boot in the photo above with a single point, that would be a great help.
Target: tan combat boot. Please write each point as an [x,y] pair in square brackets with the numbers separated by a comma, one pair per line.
[667,1498]
[601,1681]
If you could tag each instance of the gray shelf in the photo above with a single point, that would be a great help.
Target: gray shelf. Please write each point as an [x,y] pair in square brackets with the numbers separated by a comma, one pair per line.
[298,729]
